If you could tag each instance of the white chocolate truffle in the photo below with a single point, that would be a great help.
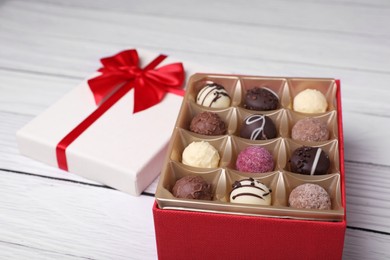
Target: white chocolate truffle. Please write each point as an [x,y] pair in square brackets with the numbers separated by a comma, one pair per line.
[250,191]
[310,101]
[213,95]
[201,154]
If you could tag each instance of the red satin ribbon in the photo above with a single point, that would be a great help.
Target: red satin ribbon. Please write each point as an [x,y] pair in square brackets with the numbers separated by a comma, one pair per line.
[120,74]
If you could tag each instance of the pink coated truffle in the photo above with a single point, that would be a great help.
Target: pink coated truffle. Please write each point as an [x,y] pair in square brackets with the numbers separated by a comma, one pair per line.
[255,159]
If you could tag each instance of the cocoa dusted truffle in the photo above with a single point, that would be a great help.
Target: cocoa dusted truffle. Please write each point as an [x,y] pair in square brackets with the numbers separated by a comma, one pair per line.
[192,187]
[208,123]
[258,127]
[309,196]
[261,99]
[310,129]
[309,161]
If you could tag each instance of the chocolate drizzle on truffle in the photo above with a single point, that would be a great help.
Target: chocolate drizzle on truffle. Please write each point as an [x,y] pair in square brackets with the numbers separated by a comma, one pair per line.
[258,192]
[258,127]
[218,91]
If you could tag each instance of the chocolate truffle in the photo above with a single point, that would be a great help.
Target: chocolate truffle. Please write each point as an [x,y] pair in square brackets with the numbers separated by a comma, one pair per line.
[310,130]
[250,191]
[255,159]
[207,123]
[258,127]
[309,196]
[310,101]
[213,95]
[200,154]
[309,161]
[261,99]
[192,187]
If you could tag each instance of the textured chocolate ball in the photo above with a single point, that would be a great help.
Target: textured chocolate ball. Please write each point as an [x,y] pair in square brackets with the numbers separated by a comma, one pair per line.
[258,127]
[261,99]
[207,123]
[310,129]
[201,154]
[309,196]
[309,161]
[192,187]
[255,159]
[310,101]
[213,95]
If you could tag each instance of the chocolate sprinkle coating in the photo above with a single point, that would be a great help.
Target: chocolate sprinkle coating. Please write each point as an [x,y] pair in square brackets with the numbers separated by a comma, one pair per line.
[208,123]
[258,127]
[192,187]
[310,161]
[309,196]
[260,99]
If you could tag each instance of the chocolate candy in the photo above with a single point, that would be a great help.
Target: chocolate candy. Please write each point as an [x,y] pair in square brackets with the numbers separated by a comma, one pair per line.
[258,127]
[310,130]
[310,161]
[207,123]
[255,159]
[261,99]
[192,187]
[213,95]
[309,196]
[250,191]
[310,101]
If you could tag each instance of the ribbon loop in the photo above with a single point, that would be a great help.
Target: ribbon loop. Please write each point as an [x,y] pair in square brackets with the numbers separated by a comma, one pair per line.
[151,84]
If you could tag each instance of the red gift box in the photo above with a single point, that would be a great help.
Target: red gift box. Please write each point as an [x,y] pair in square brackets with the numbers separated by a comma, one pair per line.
[191,234]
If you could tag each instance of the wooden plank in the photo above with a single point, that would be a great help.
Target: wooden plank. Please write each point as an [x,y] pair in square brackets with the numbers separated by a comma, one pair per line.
[72,220]
[167,33]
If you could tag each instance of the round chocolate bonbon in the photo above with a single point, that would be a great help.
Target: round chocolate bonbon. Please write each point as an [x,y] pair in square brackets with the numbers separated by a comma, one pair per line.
[258,127]
[250,191]
[255,159]
[213,95]
[309,196]
[208,123]
[261,99]
[310,129]
[192,187]
[309,161]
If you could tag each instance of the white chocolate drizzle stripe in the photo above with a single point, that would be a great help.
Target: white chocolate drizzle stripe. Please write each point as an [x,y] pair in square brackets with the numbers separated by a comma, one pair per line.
[315,162]
[257,131]
[270,90]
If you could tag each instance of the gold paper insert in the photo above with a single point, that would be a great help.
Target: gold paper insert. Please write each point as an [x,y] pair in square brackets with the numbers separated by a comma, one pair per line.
[280,180]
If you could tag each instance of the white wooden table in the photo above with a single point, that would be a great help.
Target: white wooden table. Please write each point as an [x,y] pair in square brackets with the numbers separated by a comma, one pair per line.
[47,47]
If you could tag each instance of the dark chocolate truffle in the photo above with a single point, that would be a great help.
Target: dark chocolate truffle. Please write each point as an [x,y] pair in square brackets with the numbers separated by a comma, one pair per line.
[309,161]
[310,129]
[208,123]
[192,187]
[309,196]
[261,99]
[258,127]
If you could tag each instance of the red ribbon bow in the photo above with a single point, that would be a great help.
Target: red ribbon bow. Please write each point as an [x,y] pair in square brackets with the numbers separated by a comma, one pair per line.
[120,74]
[150,84]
